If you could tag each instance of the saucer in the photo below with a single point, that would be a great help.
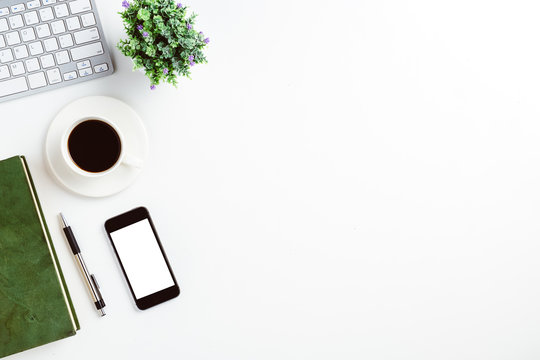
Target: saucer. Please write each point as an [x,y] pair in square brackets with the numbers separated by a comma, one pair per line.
[128,122]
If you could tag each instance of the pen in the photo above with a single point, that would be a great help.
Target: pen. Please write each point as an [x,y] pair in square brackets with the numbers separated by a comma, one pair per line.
[91,281]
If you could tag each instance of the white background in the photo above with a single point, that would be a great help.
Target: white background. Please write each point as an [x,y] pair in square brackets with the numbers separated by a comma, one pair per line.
[343,180]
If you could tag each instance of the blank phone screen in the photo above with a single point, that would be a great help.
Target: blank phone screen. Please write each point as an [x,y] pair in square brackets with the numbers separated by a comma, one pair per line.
[142,259]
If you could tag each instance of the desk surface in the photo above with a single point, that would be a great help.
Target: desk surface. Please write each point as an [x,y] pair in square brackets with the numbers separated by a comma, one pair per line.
[351,180]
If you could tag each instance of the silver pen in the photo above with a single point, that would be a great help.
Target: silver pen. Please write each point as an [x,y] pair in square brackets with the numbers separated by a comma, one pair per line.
[91,281]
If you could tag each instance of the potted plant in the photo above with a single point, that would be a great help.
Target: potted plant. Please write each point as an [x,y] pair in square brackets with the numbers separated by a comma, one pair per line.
[161,39]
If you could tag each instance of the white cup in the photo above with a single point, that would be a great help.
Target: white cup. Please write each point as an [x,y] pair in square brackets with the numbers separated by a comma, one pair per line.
[123,159]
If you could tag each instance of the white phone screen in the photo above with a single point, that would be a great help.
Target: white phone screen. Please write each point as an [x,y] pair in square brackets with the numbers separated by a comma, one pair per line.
[142,258]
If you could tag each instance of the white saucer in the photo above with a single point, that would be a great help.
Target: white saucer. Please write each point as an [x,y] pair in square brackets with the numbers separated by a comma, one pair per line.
[135,143]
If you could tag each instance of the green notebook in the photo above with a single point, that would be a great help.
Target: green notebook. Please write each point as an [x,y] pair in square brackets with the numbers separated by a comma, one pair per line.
[35,306]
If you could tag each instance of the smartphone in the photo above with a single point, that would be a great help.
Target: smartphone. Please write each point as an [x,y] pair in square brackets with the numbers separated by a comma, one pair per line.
[142,258]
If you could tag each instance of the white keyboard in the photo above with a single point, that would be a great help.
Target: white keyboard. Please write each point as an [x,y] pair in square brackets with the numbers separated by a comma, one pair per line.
[46,44]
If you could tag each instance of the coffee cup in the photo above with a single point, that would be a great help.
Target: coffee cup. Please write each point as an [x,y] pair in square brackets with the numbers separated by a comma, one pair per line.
[94,146]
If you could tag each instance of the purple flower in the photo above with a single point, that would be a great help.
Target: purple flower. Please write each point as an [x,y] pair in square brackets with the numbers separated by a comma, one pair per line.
[125,4]
[153,87]
[189,27]
[179,5]
[165,71]
[139,27]
[145,34]
[200,33]
[207,40]
[191,63]
[190,59]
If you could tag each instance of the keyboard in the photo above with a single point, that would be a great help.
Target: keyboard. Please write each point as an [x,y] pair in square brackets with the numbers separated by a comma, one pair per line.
[48,44]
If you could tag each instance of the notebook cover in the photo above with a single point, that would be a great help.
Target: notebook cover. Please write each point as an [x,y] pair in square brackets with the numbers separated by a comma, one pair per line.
[52,247]
[35,306]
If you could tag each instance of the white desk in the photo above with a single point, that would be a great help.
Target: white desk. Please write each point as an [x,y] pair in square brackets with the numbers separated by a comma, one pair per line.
[343,180]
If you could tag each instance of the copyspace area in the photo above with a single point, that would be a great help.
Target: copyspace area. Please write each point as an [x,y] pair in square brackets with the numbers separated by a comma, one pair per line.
[342,180]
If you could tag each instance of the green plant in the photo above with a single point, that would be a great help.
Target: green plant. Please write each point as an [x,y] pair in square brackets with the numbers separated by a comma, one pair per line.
[161,39]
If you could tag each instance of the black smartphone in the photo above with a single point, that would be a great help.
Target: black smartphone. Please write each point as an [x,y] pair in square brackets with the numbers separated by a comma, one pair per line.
[142,258]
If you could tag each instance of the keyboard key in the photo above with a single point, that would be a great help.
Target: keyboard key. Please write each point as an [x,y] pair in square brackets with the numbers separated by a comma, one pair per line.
[36,48]
[37,80]
[46,14]
[4,11]
[13,38]
[2,42]
[4,72]
[62,57]
[54,76]
[85,36]
[73,23]
[32,65]
[65,41]
[13,86]
[88,19]
[86,51]
[85,72]
[47,61]
[33,4]
[50,44]
[83,64]
[49,2]
[31,18]
[28,34]
[6,56]
[17,8]
[70,75]
[3,25]
[16,22]
[43,30]
[61,10]
[58,27]
[79,6]
[101,68]
[17,68]
[21,52]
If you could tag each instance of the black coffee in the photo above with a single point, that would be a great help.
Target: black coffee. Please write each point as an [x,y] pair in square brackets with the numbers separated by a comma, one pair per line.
[94,146]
